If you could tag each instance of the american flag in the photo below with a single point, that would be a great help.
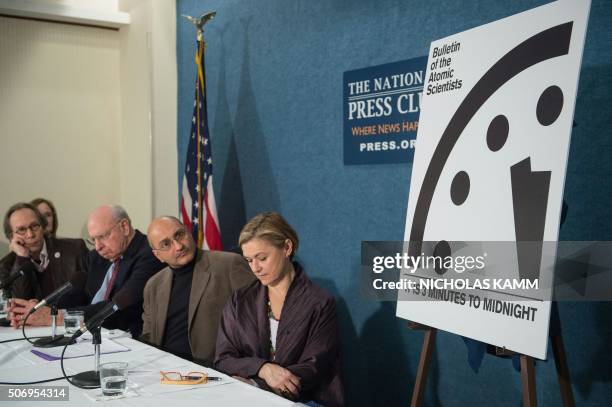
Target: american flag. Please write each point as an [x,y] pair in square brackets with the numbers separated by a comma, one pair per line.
[198,209]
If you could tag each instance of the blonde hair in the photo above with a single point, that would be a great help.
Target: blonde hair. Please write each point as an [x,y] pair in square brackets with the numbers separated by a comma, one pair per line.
[271,227]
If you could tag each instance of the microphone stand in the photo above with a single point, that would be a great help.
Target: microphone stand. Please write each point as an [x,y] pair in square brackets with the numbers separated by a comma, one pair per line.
[4,321]
[6,287]
[53,340]
[91,378]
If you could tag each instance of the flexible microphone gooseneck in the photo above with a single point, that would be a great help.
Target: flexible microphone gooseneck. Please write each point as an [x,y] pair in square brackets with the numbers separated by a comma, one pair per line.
[51,298]
[11,279]
[97,320]
[76,282]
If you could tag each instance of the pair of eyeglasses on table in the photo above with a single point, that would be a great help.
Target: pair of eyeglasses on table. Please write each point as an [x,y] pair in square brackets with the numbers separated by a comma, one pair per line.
[188,379]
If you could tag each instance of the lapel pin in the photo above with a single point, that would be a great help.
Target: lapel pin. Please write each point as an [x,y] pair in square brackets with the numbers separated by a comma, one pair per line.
[57,255]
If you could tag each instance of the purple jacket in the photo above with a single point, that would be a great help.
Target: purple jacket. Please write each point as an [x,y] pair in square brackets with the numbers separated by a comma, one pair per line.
[307,342]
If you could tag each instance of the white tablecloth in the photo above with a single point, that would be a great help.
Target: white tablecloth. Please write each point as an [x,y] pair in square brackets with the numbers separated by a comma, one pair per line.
[19,364]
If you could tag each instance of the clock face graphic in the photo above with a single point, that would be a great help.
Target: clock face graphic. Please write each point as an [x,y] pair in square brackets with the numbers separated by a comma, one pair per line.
[490,163]
[529,188]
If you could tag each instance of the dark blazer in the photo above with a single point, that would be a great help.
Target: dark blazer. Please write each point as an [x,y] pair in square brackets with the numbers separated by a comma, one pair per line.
[136,266]
[307,341]
[215,276]
[66,259]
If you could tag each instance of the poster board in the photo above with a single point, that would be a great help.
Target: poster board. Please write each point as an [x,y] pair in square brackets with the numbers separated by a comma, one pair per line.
[493,143]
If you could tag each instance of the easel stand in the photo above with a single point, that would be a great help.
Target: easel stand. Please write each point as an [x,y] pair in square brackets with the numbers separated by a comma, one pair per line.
[563,375]
[527,369]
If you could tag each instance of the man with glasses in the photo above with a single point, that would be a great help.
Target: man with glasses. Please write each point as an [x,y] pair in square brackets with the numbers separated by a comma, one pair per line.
[120,265]
[183,302]
[47,262]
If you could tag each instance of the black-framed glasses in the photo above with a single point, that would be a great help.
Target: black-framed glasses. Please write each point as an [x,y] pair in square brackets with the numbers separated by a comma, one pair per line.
[22,231]
[166,244]
[103,237]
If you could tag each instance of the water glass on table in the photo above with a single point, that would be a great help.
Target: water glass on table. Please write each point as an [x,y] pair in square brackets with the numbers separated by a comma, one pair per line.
[73,321]
[113,378]
[4,304]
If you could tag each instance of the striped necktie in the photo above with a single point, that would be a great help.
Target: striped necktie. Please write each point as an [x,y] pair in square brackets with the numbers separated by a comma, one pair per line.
[109,286]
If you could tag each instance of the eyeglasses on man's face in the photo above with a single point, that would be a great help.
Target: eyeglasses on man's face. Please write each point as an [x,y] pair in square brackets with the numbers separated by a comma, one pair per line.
[166,244]
[104,236]
[22,231]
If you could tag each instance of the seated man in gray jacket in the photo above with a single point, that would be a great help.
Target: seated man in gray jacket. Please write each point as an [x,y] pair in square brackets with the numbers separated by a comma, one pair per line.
[183,302]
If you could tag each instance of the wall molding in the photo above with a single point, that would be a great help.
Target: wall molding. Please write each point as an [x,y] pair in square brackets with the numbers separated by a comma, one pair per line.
[40,10]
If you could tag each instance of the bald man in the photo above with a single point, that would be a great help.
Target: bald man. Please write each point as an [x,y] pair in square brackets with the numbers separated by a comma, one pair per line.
[120,265]
[183,302]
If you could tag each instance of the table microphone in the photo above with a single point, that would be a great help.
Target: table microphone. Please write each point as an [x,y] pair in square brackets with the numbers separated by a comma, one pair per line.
[52,297]
[121,300]
[76,281]
[11,279]
[91,378]
[97,320]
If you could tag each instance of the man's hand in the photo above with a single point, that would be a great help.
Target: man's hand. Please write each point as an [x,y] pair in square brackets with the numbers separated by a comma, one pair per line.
[20,308]
[281,380]
[18,247]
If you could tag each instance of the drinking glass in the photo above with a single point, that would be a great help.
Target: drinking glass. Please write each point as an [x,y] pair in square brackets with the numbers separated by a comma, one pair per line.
[73,321]
[113,378]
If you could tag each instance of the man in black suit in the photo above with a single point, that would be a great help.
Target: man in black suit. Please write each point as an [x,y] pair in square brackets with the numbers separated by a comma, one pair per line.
[47,262]
[120,266]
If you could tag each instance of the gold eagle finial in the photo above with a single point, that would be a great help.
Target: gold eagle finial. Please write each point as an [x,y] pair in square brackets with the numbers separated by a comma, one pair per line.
[200,21]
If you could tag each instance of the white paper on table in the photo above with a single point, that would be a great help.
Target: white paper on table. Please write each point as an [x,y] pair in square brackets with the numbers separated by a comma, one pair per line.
[96,395]
[79,349]
[149,383]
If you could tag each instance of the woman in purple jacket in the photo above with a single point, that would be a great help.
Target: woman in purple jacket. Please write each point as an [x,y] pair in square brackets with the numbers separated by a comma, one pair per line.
[280,333]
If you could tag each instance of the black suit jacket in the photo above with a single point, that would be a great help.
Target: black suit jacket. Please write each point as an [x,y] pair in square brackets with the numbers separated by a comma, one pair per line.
[66,259]
[136,266]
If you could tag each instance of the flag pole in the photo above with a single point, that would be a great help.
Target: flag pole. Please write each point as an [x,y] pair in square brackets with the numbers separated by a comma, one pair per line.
[198,208]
